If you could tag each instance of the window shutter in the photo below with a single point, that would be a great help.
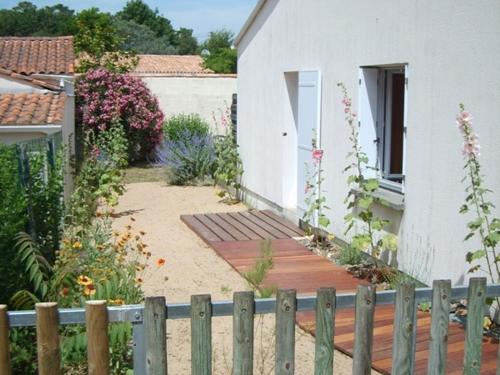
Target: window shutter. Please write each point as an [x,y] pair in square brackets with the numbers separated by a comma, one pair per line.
[309,102]
[368,115]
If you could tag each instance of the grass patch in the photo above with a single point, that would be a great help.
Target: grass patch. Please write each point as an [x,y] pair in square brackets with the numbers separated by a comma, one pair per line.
[144,173]
[257,274]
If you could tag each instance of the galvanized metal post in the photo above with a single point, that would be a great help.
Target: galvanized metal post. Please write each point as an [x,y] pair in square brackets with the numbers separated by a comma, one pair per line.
[139,348]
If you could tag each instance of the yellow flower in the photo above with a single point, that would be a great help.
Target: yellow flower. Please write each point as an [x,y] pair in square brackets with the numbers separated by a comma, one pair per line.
[84,280]
[89,290]
[117,301]
[77,245]
[100,247]
[139,280]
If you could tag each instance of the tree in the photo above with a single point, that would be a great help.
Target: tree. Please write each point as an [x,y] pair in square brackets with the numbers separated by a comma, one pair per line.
[217,52]
[186,42]
[140,12]
[141,39]
[25,19]
[97,43]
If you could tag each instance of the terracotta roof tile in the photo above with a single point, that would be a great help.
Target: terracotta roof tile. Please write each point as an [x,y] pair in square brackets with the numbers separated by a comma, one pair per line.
[171,65]
[32,109]
[37,55]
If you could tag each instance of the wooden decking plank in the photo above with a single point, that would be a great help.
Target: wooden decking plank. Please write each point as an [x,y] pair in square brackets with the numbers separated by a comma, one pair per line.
[236,237]
[268,228]
[299,232]
[250,224]
[234,232]
[274,223]
[215,228]
[242,228]
[201,229]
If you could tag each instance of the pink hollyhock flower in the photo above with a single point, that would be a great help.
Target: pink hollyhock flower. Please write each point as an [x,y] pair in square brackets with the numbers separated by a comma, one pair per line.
[471,146]
[317,155]
[308,187]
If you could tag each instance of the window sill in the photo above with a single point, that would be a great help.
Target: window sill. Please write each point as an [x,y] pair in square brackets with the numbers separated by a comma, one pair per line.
[394,200]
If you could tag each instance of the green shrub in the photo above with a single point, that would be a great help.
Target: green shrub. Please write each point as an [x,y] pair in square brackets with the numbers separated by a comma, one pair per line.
[178,127]
[350,255]
[31,186]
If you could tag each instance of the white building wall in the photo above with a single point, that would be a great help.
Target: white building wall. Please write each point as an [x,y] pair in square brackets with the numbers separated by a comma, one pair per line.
[8,86]
[201,95]
[452,48]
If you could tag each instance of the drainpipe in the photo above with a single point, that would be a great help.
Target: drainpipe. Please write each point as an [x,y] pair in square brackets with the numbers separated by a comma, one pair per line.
[68,135]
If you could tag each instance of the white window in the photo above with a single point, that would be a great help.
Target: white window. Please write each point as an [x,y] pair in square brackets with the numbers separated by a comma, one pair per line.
[382,121]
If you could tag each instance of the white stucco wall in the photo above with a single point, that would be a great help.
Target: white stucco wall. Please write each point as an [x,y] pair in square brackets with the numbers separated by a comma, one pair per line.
[452,48]
[201,95]
[8,86]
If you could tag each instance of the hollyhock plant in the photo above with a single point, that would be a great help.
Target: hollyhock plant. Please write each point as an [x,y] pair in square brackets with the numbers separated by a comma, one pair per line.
[484,225]
[105,97]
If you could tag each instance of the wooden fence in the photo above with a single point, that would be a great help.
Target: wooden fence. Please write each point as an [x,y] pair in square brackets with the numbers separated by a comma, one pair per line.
[150,339]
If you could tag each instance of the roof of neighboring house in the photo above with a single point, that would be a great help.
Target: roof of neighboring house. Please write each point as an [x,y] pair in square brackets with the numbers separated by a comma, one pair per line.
[23,58]
[255,12]
[173,65]
[32,108]
[37,55]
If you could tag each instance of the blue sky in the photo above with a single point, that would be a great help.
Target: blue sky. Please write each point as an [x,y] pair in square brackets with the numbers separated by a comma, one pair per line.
[202,16]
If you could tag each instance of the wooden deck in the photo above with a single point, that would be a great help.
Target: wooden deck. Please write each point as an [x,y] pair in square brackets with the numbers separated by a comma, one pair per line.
[236,237]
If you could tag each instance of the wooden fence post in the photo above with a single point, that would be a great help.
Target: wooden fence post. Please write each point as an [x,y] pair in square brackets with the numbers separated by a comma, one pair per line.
[474,331]
[5,367]
[243,315]
[363,333]
[47,339]
[155,325]
[286,305]
[403,342]
[440,319]
[325,330]
[201,335]
[96,317]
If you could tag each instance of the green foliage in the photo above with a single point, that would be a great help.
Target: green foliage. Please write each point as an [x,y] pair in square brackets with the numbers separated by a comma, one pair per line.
[257,274]
[229,168]
[178,127]
[483,225]
[223,61]
[361,195]
[314,218]
[139,12]
[30,191]
[350,255]
[38,271]
[112,145]
[97,43]
[141,39]
[217,52]
[186,43]
[26,19]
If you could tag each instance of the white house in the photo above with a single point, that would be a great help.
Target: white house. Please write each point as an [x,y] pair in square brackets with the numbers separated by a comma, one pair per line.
[36,91]
[407,65]
[183,85]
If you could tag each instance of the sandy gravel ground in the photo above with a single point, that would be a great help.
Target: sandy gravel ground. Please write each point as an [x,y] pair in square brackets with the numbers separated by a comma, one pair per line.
[193,268]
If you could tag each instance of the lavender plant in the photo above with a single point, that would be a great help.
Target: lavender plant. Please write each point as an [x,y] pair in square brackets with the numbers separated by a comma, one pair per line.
[484,225]
[372,238]
[191,158]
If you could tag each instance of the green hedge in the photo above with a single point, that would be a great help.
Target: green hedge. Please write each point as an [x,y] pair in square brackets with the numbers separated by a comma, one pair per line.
[31,188]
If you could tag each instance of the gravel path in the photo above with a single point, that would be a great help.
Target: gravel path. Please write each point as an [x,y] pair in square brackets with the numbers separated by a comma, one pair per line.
[193,268]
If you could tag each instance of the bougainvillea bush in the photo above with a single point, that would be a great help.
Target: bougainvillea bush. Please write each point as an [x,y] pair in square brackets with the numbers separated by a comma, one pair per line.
[104,98]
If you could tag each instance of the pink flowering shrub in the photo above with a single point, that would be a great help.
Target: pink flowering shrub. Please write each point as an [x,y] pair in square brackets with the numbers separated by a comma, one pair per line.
[104,97]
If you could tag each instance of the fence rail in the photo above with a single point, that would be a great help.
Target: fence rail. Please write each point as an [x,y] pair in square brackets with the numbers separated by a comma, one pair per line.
[149,327]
